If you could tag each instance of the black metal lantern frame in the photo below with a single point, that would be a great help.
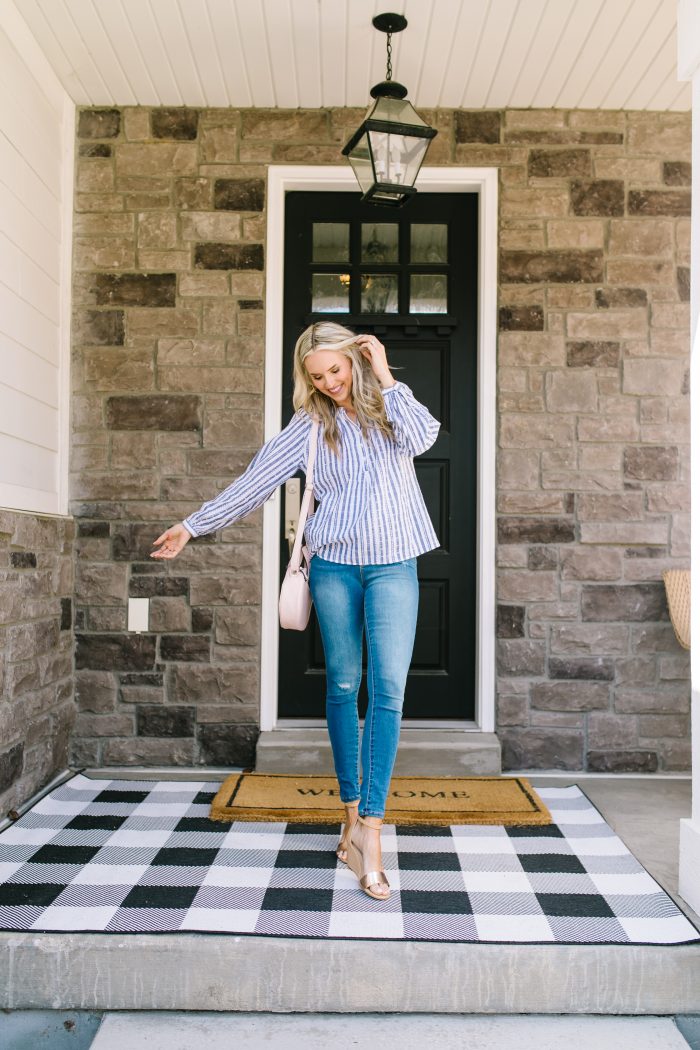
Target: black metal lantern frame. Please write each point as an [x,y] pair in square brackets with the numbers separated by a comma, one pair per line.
[387,150]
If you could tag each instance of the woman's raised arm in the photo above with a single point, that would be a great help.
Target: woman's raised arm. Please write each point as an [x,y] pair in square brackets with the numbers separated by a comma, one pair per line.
[415,429]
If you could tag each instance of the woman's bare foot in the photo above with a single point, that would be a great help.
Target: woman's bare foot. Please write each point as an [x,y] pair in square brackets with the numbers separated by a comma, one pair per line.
[367,838]
[350,821]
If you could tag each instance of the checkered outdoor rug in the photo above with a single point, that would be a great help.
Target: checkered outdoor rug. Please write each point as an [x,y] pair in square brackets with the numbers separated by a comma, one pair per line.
[142,856]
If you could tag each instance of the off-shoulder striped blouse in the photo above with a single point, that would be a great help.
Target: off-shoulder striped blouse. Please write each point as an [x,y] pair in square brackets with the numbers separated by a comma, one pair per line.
[370,509]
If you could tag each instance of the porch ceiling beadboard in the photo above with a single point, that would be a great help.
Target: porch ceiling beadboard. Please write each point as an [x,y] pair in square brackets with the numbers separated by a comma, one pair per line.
[586,54]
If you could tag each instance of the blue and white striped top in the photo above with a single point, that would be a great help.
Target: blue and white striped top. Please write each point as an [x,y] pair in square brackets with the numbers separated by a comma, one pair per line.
[370,507]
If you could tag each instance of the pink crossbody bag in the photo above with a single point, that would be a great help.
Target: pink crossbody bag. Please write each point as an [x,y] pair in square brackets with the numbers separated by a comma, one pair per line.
[295,594]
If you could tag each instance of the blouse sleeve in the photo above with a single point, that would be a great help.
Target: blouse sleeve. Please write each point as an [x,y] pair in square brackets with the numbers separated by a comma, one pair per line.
[415,428]
[277,460]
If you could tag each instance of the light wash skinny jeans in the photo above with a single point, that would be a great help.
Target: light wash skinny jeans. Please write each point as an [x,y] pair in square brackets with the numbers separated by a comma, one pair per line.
[382,599]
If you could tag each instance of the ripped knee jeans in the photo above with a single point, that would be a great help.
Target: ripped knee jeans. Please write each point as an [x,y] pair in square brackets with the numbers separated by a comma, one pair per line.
[382,602]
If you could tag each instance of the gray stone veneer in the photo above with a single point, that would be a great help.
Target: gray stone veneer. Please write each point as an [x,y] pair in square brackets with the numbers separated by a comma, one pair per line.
[37,705]
[593,433]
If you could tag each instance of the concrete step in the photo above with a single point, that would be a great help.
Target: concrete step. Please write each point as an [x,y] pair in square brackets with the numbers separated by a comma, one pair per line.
[422,752]
[199,972]
[207,1031]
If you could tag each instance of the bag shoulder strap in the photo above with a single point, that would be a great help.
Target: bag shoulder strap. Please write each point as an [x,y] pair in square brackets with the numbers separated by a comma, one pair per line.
[312,454]
[295,559]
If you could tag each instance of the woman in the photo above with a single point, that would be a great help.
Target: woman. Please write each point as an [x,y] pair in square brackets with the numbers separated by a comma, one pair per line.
[364,538]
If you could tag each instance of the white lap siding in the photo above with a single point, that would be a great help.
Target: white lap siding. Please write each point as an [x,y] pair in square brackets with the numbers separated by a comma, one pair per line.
[36,132]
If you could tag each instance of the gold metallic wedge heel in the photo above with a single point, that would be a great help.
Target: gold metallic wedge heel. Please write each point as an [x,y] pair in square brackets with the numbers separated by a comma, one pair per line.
[355,862]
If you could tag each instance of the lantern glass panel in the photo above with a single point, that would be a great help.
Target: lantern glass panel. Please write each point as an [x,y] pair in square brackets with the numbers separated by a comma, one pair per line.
[397,158]
[397,110]
[361,162]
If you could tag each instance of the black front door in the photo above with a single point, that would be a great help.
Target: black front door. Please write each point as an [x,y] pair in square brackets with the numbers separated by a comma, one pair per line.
[409,277]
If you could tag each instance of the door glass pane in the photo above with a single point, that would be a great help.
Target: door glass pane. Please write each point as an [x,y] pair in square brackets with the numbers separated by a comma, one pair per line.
[428,242]
[428,293]
[380,293]
[330,292]
[331,242]
[380,242]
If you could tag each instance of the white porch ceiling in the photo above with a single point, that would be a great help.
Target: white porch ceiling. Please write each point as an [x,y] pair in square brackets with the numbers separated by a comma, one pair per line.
[592,54]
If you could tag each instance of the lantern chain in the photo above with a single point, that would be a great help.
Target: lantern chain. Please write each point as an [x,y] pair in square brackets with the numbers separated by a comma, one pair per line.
[388,56]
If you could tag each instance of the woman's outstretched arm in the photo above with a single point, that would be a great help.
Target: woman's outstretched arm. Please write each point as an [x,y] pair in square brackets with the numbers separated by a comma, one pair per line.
[277,460]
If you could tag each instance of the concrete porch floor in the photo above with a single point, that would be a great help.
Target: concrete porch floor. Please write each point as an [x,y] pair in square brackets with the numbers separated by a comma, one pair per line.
[215,972]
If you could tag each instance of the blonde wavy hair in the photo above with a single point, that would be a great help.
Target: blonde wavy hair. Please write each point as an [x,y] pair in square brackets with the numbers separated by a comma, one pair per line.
[367,397]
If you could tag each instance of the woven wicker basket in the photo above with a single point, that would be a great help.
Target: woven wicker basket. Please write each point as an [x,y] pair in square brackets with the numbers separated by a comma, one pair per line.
[677,582]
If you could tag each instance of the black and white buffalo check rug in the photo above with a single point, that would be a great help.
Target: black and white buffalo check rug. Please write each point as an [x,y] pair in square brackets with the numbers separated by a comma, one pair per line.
[143,857]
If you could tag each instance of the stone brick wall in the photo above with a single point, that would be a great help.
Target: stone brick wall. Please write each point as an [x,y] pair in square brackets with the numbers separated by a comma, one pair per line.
[593,457]
[37,706]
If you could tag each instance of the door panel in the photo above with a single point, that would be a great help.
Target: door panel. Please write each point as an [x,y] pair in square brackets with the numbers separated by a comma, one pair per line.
[366,267]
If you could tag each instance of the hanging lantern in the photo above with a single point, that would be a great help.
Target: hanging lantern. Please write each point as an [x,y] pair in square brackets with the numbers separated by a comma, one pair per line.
[388,148]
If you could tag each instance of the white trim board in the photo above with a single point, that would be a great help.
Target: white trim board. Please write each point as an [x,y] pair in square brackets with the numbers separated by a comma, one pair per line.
[484,181]
[66,303]
[36,202]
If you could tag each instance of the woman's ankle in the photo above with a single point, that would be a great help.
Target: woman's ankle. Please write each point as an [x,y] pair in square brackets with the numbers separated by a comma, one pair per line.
[374,823]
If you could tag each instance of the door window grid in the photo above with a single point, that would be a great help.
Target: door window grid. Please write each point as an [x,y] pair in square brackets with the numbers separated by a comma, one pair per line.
[373,285]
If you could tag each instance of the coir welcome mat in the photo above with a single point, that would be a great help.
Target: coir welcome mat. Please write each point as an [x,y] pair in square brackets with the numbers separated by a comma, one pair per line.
[440,801]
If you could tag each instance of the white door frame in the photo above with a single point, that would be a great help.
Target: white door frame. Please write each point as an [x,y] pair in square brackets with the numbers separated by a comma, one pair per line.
[484,181]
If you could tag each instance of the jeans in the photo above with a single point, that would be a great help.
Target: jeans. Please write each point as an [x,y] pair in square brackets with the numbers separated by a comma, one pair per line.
[382,599]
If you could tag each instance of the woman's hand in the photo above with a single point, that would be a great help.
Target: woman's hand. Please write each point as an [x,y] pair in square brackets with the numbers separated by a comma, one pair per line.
[375,353]
[171,542]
